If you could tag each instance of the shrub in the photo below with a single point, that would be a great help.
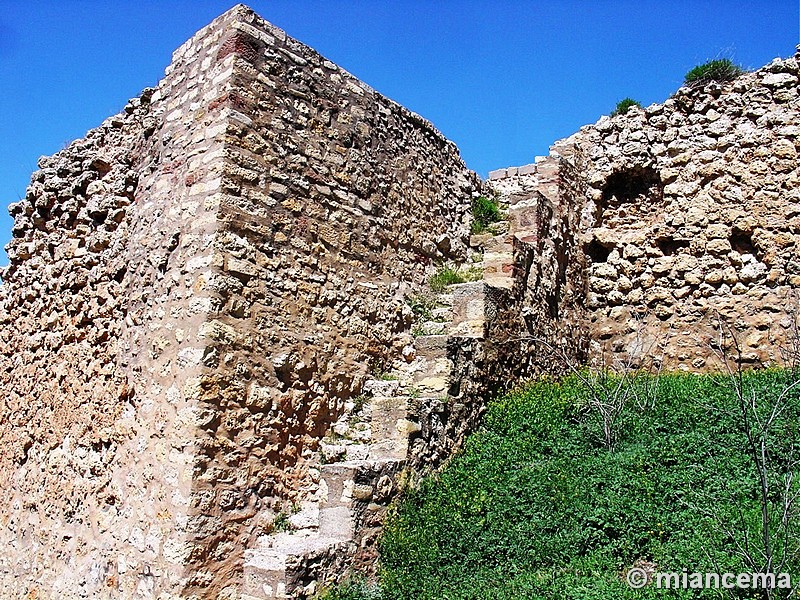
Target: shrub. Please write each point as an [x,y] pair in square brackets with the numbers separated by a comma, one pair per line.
[623,106]
[484,212]
[351,589]
[720,70]
[537,507]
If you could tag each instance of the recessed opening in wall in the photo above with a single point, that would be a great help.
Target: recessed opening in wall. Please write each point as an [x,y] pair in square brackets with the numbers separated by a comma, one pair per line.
[742,242]
[637,187]
[671,246]
[597,252]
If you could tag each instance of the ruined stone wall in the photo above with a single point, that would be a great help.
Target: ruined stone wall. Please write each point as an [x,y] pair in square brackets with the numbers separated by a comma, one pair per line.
[195,290]
[538,320]
[102,303]
[688,213]
[336,201]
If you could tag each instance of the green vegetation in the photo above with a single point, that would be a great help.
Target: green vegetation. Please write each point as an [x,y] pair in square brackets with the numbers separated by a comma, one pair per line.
[623,106]
[443,277]
[720,70]
[538,506]
[353,589]
[484,212]
[281,522]
[423,305]
[446,275]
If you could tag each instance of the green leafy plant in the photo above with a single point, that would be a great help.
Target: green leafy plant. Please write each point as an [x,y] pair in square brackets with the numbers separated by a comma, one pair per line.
[422,305]
[536,506]
[623,106]
[485,211]
[720,70]
[351,589]
[282,522]
[445,275]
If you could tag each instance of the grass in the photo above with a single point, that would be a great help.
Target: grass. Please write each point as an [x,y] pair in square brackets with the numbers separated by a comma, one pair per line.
[446,275]
[623,106]
[536,507]
[485,211]
[720,70]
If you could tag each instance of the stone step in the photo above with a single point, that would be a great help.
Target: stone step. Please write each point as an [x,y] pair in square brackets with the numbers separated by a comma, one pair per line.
[267,567]
[500,280]
[425,345]
[498,228]
[444,299]
[443,314]
[381,387]
[479,240]
[389,427]
[336,482]
[469,315]
[499,243]
[435,378]
[432,328]
[356,452]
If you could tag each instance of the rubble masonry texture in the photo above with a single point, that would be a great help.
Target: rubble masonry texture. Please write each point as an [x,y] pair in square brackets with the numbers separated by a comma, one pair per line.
[195,289]
[201,287]
[677,215]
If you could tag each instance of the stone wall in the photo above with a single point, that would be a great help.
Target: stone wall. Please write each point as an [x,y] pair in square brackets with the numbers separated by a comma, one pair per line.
[207,302]
[195,290]
[103,300]
[687,214]
[336,201]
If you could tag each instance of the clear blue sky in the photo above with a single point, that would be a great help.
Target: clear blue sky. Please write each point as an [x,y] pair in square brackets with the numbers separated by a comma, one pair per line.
[502,79]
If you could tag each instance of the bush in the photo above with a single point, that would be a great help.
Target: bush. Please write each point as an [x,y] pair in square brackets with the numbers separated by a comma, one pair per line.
[714,70]
[351,589]
[623,106]
[484,212]
[536,507]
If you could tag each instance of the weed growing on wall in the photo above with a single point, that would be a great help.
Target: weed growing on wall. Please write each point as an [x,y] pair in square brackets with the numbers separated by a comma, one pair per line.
[485,211]
[720,70]
[443,277]
[623,106]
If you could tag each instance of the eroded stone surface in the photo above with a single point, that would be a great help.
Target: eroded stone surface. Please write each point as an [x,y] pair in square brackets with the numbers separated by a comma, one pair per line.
[214,385]
[676,215]
[196,290]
